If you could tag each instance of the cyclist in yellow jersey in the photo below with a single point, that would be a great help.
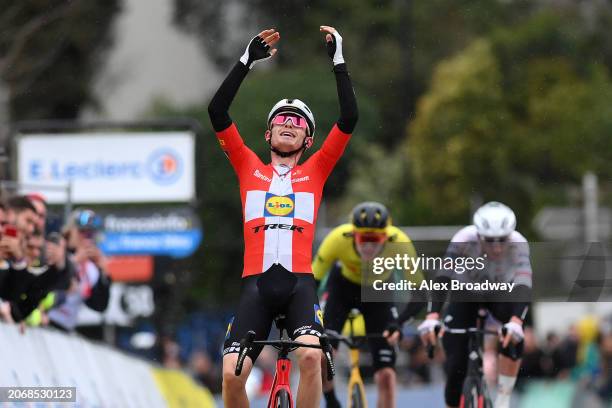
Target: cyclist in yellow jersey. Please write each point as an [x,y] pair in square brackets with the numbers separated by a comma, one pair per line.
[339,262]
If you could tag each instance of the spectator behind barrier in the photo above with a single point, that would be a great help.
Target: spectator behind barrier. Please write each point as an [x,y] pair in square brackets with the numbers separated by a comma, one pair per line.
[40,204]
[24,281]
[90,285]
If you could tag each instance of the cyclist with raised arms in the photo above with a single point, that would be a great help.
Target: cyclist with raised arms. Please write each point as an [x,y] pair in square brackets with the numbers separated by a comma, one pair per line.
[339,265]
[506,259]
[280,201]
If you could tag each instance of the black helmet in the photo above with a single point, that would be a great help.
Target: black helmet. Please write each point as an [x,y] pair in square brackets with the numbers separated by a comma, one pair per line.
[370,214]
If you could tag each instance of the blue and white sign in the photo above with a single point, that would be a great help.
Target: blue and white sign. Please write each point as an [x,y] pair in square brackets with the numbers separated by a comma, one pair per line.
[170,232]
[110,167]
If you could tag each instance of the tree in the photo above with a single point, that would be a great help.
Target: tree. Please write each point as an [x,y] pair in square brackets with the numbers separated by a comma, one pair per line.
[516,112]
[391,46]
[49,54]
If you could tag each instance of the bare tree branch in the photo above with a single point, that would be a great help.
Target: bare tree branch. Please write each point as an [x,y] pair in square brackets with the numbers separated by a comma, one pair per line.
[28,30]
[34,72]
[8,15]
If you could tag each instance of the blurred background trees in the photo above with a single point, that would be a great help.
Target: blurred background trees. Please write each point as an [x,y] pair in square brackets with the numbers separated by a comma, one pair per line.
[460,100]
[50,52]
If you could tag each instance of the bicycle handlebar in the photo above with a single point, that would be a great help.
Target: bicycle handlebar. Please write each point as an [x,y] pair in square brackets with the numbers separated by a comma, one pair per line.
[431,347]
[350,341]
[249,340]
[327,352]
[245,345]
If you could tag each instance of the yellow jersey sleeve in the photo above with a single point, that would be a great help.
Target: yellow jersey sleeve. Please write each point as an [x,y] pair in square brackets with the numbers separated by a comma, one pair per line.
[329,252]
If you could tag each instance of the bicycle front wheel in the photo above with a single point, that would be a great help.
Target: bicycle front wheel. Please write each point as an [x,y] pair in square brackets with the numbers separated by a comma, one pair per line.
[357,399]
[282,399]
[473,395]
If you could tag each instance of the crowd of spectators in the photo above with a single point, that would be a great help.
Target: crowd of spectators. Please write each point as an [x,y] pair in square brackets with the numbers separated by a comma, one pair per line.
[47,276]
[581,354]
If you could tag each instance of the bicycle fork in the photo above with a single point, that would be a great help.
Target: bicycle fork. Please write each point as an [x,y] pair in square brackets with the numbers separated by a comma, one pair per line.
[355,380]
[281,380]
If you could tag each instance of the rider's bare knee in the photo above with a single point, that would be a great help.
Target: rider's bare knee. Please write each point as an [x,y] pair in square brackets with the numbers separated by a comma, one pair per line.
[310,361]
[385,377]
[231,382]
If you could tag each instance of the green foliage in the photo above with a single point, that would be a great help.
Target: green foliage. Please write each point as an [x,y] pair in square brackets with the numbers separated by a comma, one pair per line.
[390,46]
[512,101]
[509,117]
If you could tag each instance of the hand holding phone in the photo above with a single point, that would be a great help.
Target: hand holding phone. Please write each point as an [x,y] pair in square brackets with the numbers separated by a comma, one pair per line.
[10,231]
[56,250]
[10,243]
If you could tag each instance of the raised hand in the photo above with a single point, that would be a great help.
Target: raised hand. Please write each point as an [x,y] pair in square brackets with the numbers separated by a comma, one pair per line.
[260,47]
[333,39]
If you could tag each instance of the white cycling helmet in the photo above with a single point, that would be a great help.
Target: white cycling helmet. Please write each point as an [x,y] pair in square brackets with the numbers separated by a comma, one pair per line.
[494,220]
[294,106]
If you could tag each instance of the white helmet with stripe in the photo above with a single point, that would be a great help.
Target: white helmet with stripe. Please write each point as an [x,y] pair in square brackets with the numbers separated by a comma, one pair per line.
[494,220]
[294,106]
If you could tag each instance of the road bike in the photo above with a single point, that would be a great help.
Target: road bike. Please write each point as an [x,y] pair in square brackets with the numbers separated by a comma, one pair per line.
[475,393]
[356,397]
[280,395]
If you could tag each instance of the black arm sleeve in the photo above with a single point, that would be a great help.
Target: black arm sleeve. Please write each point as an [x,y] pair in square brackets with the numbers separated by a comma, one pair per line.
[218,109]
[100,294]
[348,103]
[523,295]
[438,297]
[414,307]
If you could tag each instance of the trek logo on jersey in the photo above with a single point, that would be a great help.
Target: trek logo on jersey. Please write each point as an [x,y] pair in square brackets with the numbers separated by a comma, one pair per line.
[279,206]
[318,315]
[265,227]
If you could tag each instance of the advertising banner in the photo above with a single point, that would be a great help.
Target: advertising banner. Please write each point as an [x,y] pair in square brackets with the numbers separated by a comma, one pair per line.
[110,167]
[171,232]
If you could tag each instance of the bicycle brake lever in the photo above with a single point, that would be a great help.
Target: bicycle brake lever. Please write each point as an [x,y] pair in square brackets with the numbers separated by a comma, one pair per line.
[327,352]
[245,345]
[430,347]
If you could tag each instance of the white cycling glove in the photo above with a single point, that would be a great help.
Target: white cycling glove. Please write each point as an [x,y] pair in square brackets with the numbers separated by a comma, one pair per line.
[516,330]
[334,48]
[428,325]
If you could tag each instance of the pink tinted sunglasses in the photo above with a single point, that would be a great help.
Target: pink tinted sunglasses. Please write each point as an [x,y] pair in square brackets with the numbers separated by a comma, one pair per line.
[296,121]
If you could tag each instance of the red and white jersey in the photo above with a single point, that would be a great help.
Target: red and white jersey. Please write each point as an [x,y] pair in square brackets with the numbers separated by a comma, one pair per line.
[280,211]
[513,266]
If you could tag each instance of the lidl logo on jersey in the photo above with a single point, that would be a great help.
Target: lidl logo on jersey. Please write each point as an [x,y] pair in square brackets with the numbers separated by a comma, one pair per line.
[318,315]
[279,206]
[261,204]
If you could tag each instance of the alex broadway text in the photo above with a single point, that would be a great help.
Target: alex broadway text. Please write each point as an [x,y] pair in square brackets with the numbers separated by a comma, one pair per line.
[406,285]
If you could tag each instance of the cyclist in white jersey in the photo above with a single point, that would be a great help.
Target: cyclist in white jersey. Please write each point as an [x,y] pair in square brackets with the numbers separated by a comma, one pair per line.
[504,258]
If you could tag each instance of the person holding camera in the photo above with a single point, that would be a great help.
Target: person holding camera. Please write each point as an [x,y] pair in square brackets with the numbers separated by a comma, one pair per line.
[24,280]
[90,284]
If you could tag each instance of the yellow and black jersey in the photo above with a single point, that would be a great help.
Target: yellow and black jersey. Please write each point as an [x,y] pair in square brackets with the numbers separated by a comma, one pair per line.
[338,246]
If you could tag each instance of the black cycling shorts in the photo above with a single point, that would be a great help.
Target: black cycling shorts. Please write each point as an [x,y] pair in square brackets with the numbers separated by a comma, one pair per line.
[265,296]
[344,295]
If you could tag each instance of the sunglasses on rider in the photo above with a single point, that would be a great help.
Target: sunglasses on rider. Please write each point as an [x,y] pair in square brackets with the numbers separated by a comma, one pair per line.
[370,237]
[492,240]
[295,120]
